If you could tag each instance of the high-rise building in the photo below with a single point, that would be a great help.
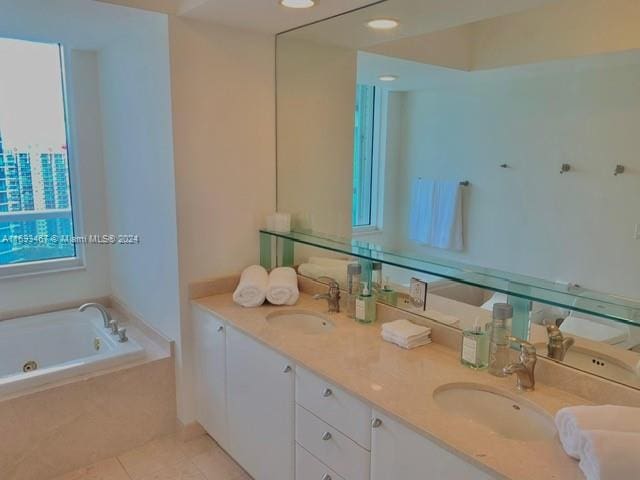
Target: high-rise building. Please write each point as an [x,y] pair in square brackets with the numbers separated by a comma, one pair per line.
[26,186]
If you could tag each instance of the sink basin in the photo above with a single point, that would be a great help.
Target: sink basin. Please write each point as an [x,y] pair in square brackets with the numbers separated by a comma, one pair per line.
[600,364]
[301,321]
[507,415]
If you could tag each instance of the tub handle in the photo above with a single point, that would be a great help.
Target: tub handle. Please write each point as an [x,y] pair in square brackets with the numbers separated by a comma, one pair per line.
[122,335]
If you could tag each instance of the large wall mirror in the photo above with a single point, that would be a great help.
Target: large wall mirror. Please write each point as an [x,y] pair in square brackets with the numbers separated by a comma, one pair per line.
[502,134]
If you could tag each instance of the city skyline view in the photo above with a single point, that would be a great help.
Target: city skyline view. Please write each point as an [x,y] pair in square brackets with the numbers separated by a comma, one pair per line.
[35,194]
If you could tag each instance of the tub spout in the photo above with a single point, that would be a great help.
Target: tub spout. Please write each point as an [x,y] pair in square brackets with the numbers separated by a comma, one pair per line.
[106,316]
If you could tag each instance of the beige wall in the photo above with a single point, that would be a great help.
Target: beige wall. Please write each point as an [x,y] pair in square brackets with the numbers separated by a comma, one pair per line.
[223,95]
[316,99]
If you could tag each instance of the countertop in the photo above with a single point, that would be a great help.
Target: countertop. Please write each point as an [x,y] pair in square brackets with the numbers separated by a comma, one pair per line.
[401,384]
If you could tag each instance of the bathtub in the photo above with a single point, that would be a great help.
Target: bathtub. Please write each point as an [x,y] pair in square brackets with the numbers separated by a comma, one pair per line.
[46,348]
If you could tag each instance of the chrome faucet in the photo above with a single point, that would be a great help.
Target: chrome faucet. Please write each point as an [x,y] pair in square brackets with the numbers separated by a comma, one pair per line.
[106,316]
[557,346]
[332,296]
[525,368]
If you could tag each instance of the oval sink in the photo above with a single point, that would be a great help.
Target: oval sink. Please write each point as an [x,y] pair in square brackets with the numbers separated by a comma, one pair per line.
[506,415]
[602,364]
[302,321]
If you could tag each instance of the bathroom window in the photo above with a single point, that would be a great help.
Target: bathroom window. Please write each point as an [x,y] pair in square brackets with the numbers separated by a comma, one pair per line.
[36,216]
[368,158]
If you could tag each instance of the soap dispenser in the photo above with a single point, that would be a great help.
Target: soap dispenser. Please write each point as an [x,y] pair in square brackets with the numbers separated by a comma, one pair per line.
[387,294]
[500,331]
[365,306]
[475,347]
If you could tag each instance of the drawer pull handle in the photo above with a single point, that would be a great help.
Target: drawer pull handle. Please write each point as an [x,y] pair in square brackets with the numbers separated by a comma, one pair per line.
[327,392]
[220,328]
[287,369]
[326,436]
[376,422]
[326,476]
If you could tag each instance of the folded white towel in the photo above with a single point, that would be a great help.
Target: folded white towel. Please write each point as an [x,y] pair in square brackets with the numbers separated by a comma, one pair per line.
[252,289]
[406,344]
[283,286]
[404,329]
[607,455]
[572,421]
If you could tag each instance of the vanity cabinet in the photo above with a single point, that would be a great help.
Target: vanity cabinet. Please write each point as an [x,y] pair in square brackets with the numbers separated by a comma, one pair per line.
[260,408]
[399,452]
[210,374]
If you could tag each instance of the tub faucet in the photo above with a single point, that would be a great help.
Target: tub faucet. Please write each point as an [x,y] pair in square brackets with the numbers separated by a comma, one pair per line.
[558,345]
[525,368]
[106,316]
[332,296]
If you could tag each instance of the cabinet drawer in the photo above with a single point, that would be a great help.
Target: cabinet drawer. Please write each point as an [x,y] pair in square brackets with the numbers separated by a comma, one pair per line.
[309,467]
[331,447]
[334,406]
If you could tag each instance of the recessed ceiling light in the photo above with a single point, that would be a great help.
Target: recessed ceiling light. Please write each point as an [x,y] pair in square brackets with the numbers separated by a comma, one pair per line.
[387,78]
[297,3]
[383,23]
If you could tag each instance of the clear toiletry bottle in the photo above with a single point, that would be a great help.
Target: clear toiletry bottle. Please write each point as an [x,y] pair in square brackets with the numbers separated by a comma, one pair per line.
[387,294]
[499,346]
[365,306]
[475,347]
[376,278]
[354,273]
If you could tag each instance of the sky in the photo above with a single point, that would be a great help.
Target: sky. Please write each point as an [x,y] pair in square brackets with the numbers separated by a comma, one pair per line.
[31,102]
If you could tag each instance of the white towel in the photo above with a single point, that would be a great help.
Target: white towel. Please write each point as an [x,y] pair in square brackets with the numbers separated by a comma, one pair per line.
[572,421]
[435,217]
[607,455]
[283,286]
[405,330]
[418,342]
[252,289]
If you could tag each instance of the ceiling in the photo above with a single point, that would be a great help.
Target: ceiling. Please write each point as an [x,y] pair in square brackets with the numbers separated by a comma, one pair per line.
[266,16]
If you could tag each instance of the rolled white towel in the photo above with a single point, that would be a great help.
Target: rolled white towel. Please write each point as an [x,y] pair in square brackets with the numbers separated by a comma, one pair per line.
[571,421]
[283,286]
[252,289]
[607,455]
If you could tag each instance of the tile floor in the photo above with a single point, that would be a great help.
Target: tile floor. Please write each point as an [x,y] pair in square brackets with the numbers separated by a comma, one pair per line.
[166,458]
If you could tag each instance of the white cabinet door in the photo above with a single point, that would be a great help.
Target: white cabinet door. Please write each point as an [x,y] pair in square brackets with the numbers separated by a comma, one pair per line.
[260,399]
[398,453]
[210,374]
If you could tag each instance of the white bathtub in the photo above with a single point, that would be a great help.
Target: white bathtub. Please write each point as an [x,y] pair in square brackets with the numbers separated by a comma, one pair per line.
[63,344]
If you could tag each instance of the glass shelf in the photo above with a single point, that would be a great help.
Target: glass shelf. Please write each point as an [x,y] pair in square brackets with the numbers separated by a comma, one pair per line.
[520,286]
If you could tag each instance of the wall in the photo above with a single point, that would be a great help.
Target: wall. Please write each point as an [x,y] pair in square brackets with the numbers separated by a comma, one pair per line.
[316,99]
[576,227]
[561,29]
[223,94]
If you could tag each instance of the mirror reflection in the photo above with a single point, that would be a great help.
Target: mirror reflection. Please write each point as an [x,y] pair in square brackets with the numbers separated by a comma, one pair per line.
[501,135]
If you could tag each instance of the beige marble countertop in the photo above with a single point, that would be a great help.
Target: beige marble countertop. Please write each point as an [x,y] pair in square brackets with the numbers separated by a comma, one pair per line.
[401,384]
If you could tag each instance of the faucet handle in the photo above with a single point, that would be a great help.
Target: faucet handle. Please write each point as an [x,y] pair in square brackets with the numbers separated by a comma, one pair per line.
[122,335]
[526,348]
[113,324]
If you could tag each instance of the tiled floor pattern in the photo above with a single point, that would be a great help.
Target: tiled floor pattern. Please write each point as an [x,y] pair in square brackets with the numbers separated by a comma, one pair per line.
[165,459]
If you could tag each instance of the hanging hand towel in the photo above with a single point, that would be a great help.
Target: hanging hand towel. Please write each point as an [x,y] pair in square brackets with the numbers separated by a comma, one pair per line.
[435,217]
[283,286]
[572,421]
[609,455]
[252,289]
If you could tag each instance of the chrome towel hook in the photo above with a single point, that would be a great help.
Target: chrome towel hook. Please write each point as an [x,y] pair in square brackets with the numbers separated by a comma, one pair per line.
[619,170]
[565,168]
